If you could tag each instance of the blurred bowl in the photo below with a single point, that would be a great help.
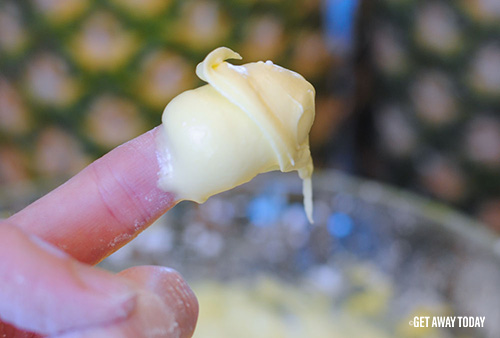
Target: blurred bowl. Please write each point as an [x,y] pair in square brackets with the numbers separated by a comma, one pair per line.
[375,258]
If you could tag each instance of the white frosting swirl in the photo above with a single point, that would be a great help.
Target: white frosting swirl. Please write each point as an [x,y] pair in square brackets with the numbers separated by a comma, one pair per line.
[247,120]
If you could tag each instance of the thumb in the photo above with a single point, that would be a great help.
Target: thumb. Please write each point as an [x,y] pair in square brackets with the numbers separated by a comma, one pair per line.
[166,307]
[44,290]
[173,293]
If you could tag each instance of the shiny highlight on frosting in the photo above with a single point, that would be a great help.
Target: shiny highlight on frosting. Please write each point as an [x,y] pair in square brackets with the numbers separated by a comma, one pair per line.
[247,120]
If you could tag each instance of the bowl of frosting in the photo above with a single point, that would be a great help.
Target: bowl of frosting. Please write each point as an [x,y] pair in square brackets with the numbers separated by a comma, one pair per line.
[376,262]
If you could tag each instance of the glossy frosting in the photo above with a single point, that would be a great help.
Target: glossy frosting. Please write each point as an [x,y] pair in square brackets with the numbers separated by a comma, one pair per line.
[247,120]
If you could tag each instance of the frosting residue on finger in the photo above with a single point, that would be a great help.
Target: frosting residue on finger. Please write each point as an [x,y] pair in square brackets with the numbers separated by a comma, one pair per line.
[248,119]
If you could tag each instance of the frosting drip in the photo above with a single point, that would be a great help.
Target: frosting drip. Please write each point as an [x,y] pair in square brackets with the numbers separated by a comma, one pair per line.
[247,120]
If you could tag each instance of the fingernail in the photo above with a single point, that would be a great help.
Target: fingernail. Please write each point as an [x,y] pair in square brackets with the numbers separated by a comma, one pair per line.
[172,290]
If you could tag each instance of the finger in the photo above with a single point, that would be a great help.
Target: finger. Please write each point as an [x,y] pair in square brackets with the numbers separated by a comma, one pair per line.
[7,330]
[172,290]
[44,290]
[104,206]
[166,307]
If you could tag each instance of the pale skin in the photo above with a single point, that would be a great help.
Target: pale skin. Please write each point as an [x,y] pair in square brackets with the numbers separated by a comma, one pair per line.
[47,282]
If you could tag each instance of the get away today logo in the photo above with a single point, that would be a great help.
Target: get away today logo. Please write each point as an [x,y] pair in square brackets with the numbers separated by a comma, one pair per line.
[448,321]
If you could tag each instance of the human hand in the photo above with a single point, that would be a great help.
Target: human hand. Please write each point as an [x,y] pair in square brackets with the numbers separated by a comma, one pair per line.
[47,286]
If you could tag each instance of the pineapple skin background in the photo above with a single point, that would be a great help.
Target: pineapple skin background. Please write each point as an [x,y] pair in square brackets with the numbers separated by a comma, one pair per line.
[80,77]
[434,103]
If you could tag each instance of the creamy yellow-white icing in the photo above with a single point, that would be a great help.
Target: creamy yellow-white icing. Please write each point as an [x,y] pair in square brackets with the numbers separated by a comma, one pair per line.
[247,120]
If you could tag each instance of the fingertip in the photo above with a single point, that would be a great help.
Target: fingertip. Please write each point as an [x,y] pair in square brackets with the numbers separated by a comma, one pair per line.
[172,290]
